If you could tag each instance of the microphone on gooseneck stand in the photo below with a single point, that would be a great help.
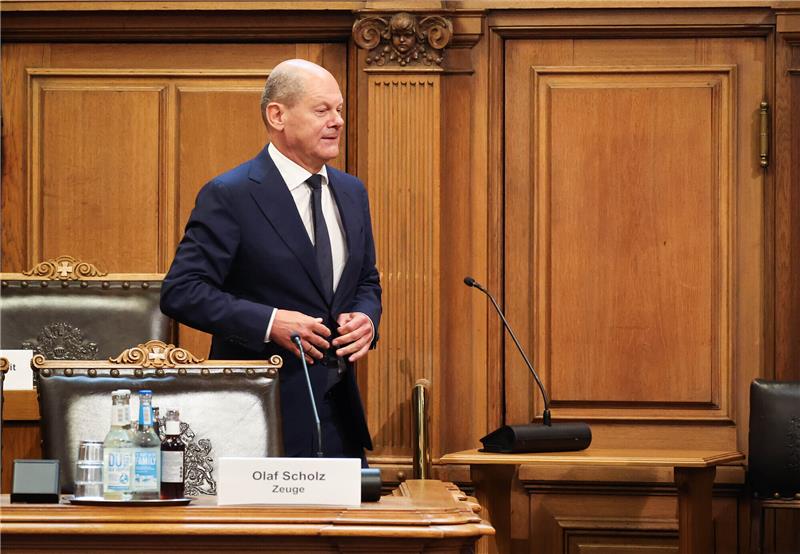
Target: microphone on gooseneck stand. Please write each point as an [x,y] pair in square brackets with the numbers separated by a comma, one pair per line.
[296,339]
[531,437]
[371,481]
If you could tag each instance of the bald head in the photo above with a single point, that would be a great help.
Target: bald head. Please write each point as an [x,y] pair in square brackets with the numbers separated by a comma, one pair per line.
[287,82]
[302,108]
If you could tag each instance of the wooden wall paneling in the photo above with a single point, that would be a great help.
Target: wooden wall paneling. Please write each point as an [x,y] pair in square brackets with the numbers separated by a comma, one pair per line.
[516,223]
[13,223]
[615,205]
[786,167]
[610,213]
[96,174]
[753,229]
[499,504]
[623,22]
[206,22]
[124,61]
[149,181]
[517,215]
[770,224]
[21,441]
[403,126]
[495,245]
[171,58]
[21,435]
[463,377]
[638,518]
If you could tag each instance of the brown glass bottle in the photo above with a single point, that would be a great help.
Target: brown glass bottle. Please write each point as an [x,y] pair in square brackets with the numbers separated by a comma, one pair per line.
[173,453]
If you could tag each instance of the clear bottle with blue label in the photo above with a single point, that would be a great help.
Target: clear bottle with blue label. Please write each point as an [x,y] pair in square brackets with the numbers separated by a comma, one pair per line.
[118,452]
[147,453]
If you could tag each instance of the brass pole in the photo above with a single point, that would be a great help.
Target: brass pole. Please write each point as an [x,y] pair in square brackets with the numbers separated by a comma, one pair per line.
[421,460]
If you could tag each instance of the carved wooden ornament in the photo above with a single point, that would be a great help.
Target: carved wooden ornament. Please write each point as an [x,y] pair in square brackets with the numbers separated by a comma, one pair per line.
[155,353]
[403,39]
[64,268]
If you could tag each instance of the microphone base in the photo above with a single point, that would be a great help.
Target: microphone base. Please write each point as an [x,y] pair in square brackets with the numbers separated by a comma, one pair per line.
[536,437]
[371,484]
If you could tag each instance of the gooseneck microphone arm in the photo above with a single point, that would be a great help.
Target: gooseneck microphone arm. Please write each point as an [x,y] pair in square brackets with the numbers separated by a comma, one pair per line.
[470,282]
[296,339]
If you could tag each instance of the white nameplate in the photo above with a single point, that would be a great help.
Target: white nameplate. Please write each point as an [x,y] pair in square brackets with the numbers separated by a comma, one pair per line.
[19,375]
[309,481]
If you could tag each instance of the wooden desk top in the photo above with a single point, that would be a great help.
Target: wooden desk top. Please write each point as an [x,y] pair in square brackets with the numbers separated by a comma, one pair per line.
[421,509]
[601,457]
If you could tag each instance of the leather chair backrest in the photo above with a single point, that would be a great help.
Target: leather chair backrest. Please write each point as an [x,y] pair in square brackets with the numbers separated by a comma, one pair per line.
[67,309]
[774,459]
[228,408]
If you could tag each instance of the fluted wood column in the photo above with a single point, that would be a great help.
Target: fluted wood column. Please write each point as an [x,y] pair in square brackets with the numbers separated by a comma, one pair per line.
[400,159]
[403,169]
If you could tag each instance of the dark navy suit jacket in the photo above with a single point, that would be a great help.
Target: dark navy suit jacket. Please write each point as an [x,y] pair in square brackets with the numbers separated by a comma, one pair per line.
[245,251]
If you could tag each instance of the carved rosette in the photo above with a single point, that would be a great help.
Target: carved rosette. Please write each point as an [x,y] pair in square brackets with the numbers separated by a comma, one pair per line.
[64,268]
[403,39]
[157,354]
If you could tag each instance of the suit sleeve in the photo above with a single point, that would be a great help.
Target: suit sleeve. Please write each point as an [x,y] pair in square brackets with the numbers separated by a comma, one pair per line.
[367,298]
[193,293]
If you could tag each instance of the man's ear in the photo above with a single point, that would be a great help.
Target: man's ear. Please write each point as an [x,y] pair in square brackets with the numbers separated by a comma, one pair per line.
[275,115]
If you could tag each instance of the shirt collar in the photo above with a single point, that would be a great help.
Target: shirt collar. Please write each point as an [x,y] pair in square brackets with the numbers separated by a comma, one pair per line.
[293,174]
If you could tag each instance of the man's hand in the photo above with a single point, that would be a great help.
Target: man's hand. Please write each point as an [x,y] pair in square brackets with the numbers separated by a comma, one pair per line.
[310,329]
[355,335]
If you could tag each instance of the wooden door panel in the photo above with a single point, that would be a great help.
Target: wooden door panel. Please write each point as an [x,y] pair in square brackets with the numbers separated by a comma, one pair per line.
[634,228]
[95,176]
[623,199]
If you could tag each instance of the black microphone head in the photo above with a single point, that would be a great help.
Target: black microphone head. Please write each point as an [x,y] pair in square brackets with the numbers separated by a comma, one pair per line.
[295,337]
[469,281]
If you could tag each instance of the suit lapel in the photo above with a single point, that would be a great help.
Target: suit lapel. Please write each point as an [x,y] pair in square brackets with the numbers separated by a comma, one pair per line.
[348,212]
[277,204]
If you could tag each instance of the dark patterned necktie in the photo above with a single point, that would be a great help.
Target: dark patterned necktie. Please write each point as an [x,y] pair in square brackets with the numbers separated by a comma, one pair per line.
[322,241]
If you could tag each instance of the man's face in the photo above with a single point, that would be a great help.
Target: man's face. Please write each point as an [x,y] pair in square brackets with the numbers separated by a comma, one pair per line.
[312,126]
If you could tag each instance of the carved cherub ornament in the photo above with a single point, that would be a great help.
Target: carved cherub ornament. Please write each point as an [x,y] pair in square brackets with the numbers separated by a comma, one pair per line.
[403,39]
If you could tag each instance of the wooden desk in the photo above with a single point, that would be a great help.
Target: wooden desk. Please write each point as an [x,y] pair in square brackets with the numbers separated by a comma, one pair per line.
[419,516]
[494,476]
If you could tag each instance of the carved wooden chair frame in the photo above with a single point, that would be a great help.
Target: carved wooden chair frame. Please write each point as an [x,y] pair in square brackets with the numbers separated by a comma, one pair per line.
[149,362]
[66,272]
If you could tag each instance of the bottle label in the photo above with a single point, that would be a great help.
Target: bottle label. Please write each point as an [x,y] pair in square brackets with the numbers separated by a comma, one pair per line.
[117,468]
[172,466]
[145,472]
[173,427]
[120,415]
[145,414]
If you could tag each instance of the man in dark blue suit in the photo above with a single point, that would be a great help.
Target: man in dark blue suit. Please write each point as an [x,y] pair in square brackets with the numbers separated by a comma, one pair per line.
[281,245]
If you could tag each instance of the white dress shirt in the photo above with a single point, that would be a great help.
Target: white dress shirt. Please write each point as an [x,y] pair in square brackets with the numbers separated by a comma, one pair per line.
[295,177]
